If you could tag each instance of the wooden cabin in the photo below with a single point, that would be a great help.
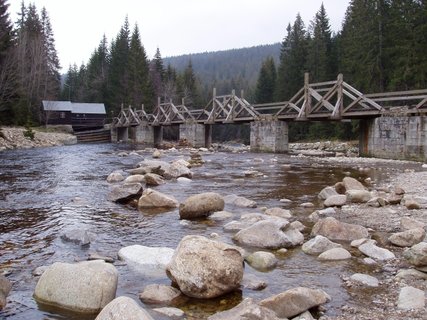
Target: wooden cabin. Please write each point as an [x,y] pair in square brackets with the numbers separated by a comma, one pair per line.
[81,116]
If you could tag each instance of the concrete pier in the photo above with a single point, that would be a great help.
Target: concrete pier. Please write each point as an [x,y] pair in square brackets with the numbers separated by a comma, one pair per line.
[194,133]
[394,137]
[144,134]
[269,136]
[119,134]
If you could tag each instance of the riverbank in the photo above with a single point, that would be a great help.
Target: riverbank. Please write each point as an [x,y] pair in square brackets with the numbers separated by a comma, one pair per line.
[14,138]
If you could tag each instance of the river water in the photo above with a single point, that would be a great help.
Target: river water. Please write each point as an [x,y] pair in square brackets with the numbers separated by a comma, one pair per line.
[47,191]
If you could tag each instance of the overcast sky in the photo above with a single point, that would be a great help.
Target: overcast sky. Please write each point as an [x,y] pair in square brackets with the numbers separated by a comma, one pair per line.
[176,26]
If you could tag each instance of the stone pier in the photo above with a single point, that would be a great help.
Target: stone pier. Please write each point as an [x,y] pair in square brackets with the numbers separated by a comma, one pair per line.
[269,136]
[394,137]
[144,134]
[119,134]
[195,134]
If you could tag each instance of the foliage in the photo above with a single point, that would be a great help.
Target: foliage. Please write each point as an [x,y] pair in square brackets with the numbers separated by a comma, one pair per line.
[29,133]
[266,83]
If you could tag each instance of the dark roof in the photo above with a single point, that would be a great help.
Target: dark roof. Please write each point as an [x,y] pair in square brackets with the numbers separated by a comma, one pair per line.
[74,107]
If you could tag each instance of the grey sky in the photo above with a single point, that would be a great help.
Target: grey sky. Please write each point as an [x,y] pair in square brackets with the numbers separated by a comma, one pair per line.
[176,26]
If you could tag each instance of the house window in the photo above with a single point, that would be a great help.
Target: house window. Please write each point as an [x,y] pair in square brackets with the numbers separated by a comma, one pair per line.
[62,115]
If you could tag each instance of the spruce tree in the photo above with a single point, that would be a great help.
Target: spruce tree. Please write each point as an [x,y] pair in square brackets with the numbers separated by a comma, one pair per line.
[264,91]
[140,89]
[290,75]
[157,72]
[97,73]
[362,42]
[320,60]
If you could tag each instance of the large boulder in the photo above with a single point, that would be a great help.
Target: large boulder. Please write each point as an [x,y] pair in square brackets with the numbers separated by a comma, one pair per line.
[319,244]
[125,192]
[201,205]
[269,234]
[204,268]
[295,301]
[334,254]
[333,229]
[239,201]
[159,294]
[151,261]
[5,287]
[152,199]
[123,308]
[408,238]
[247,309]
[85,287]
[417,254]
[352,184]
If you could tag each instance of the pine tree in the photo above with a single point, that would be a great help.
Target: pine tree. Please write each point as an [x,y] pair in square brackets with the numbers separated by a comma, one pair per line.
[190,87]
[290,75]
[119,70]
[8,92]
[264,91]
[97,73]
[320,59]
[157,72]
[140,89]
[362,43]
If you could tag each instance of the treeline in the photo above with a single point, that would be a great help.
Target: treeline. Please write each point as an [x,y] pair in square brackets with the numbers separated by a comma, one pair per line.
[29,65]
[382,46]
[120,74]
[227,70]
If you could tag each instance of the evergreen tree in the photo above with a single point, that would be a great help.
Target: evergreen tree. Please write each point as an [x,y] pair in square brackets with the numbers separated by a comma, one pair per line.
[407,46]
[264,91]
[362,45]
[8,93]
[97,73]
[290,76]
[170,87]
[320,59]
[140,89]
[157,72]
[190,87]
[119,70]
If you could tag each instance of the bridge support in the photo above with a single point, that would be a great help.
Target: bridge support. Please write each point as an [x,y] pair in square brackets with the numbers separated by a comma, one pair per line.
[157,136]
[269,136]
[194,133]
[394,137]
[119,134]
[144,134]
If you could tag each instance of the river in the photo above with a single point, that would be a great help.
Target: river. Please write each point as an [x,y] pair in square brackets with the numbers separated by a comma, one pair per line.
[47,191]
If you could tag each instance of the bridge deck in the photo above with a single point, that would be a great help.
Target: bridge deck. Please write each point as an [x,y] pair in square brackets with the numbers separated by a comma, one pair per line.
[331,100]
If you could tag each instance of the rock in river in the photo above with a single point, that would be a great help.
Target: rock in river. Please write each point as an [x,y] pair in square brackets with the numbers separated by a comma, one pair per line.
[334,254]
[204,268]
[269,234]
[247,309]
[123,308]
[408,238]
[201,205]
[239,201]
[5,287]
[417,254]
[335,201]
[159,294]
[333,229]
[152,199]
[319,244]
[85,287]
[262,260]
[150,261]
[125,192]
[371,250]
[295,301]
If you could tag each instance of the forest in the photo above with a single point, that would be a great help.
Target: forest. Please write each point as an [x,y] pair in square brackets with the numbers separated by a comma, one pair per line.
[381,47]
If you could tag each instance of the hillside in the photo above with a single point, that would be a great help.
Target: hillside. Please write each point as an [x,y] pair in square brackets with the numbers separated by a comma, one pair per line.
[229,69]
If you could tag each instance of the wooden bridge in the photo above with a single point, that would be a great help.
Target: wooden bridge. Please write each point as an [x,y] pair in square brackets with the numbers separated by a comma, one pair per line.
[392,124]
[332,100]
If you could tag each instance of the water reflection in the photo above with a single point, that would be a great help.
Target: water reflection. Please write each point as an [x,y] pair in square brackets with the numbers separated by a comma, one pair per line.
[44,192]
